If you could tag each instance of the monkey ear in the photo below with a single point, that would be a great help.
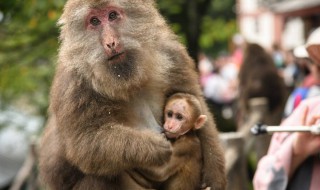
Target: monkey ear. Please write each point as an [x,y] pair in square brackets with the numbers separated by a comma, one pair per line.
[200,121]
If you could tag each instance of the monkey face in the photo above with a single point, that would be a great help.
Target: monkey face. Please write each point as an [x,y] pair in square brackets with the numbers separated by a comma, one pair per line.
[109,45]
[105,22]
[177,118]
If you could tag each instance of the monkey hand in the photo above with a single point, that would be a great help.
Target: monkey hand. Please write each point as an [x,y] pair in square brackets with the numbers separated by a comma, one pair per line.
[160,150]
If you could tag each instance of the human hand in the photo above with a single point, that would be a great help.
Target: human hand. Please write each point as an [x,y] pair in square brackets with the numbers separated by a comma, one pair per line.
[304,144]
[307,144]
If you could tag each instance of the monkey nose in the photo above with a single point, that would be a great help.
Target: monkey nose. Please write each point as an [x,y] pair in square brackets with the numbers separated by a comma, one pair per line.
[169,127]
[111,45]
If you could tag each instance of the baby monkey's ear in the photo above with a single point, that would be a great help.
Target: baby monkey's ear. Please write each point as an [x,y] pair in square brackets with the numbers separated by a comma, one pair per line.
[201,120]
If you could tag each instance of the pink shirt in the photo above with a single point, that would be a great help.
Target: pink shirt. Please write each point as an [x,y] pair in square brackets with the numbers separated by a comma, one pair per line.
[273,169]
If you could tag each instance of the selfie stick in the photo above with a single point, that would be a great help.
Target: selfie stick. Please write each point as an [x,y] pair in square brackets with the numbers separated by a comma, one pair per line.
[260,129]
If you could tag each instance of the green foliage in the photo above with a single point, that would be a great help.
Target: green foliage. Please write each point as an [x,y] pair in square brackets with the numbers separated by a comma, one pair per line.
[218,23]
[172,10]
[216,35]
[223,9]
[218,27]
[169,7]
[28,47]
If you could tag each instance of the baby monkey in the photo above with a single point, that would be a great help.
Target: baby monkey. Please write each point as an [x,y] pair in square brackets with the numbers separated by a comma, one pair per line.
[182,117]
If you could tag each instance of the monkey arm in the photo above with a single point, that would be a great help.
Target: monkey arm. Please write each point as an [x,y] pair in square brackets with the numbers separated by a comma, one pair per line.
[184,149]
[97,137]
[111,150]
[162,173]
[213,171]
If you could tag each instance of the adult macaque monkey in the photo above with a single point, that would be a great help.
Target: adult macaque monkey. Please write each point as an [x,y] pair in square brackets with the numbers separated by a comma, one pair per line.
[117,64]
[183,115]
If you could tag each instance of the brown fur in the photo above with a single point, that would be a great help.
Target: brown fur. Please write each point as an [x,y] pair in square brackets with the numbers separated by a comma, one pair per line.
[183,172]
[258,77]
[186,171]
[184,168]
[105,121]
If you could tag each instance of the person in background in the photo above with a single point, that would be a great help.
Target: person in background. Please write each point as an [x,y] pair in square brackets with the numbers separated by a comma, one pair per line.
[205,67]
[220,85]
[290,72]
[310,83]
[237,54]
[293,159]
[277,56]
[220,91]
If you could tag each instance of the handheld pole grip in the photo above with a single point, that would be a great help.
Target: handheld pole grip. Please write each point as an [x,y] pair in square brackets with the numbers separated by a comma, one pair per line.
[259,129]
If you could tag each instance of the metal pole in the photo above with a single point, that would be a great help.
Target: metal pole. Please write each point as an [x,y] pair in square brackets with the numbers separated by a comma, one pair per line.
[259,129]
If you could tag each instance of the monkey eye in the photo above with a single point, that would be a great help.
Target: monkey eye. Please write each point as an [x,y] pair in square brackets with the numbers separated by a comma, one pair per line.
[113,15]
[95,21]
[169,114]
[179,117]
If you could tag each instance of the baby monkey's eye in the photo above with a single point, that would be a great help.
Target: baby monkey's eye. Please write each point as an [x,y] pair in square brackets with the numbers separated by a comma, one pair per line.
[169,114]
[113,15]
[95,21]
[179,117]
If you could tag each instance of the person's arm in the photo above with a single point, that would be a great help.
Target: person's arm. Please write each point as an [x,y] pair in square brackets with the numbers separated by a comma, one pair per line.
[274,169]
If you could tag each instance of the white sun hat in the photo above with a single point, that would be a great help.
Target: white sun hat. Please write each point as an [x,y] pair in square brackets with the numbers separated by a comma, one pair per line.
[313,45]
[300,52]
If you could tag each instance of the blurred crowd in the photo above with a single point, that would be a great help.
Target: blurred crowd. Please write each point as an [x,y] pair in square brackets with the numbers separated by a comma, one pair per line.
[289,81]
[228,80]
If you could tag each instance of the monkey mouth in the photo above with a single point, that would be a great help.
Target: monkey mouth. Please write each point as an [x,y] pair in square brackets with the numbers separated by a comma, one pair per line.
[116,56]
[171,135]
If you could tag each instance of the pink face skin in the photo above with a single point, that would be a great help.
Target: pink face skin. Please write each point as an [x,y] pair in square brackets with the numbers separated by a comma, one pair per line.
[177,118]
[105,22]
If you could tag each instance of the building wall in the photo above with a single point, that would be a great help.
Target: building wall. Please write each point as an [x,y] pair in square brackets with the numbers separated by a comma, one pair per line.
[256,24]
[272,24]
[293,33]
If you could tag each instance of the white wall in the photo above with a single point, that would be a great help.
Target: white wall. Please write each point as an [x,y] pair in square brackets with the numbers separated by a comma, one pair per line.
[258,28]
[258,25]
[248,5]
[293,34]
